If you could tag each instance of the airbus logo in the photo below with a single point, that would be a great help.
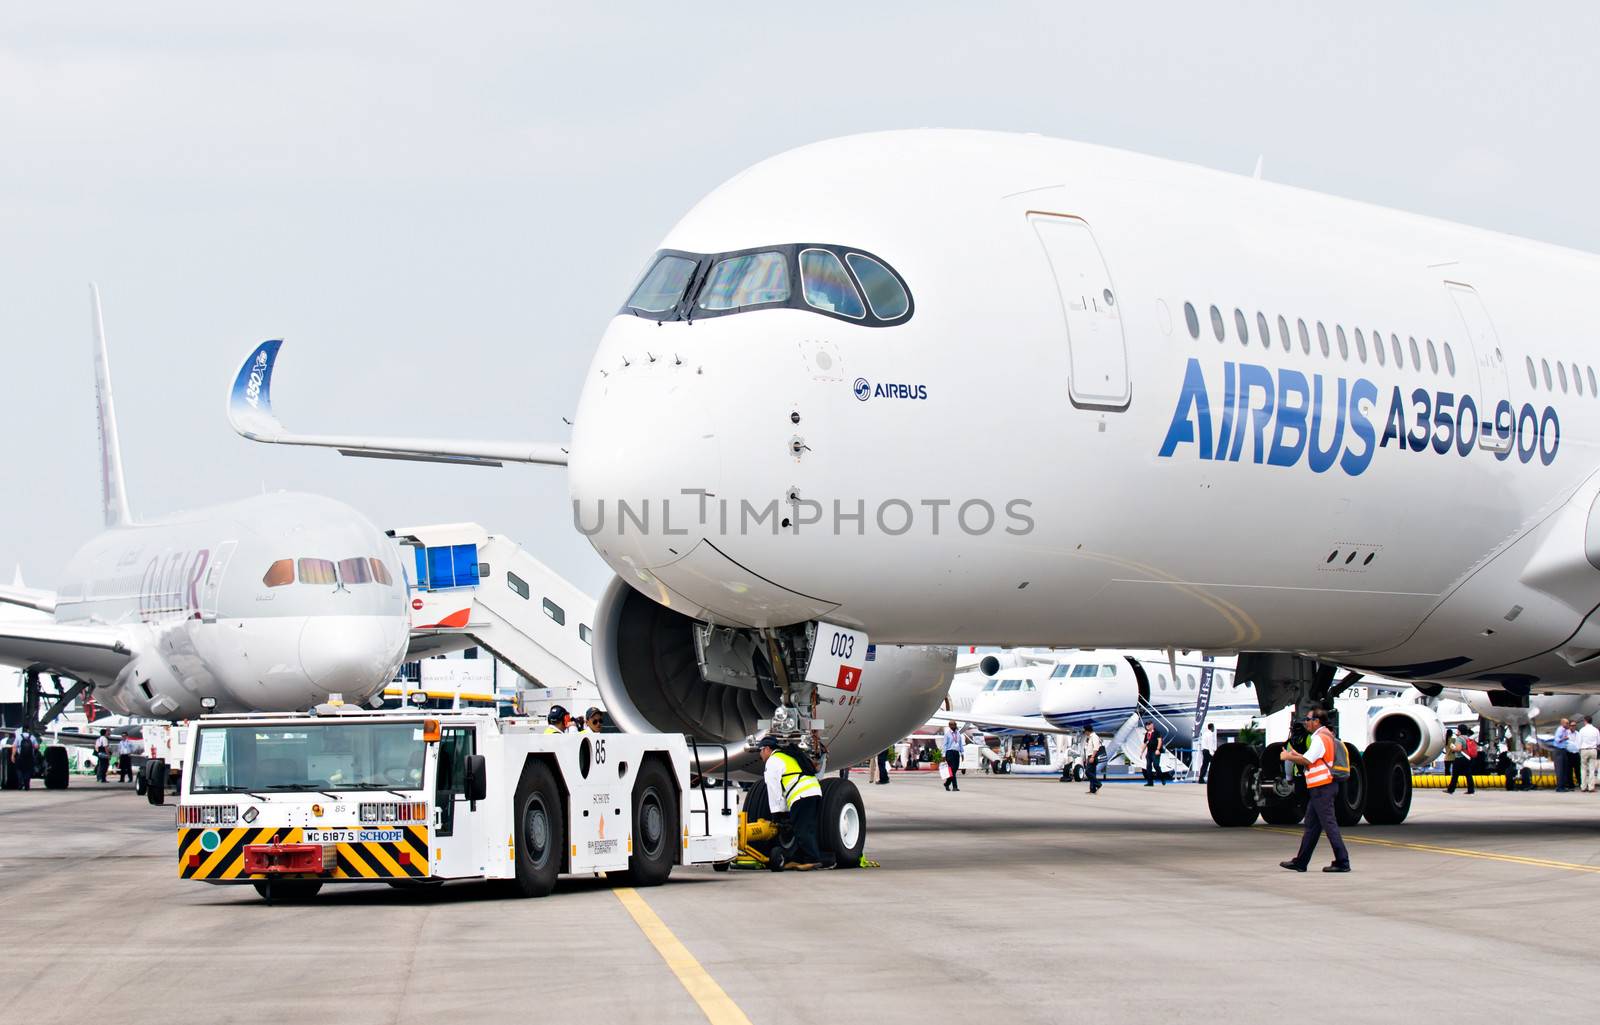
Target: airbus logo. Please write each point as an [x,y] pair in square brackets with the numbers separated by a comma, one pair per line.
[865,390]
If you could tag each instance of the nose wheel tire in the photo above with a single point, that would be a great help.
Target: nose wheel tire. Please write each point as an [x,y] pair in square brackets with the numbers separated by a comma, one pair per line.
[1231,792]
[1388,779]
[655,826]
[1351,799]
[540,831]
[843,823]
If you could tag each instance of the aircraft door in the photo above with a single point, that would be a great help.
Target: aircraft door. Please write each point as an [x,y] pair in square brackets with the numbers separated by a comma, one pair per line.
[1097,349]
[212,588]
[1495,434]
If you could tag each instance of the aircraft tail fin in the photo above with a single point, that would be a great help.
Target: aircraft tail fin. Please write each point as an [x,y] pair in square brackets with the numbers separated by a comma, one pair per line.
[113,488]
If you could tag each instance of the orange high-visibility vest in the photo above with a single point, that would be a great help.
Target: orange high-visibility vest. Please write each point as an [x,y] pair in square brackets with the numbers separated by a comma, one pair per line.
[1320,772]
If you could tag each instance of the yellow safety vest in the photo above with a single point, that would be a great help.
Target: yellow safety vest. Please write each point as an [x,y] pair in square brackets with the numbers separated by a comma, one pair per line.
[796,783]
[553,728]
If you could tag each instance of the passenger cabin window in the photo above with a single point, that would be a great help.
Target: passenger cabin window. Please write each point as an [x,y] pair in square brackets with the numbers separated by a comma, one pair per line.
[1283,332]
[1589,373]
[753,279]
[1577,378]
[355,571]
[885,294]
[279,574]
[1217,327]
[1561,372]
[1361,346]
[1377,348]
[1262,331]
[1533,377]
[1192,319]
[585,634]
[317,571]
[517,584]
[663,285]
[555,612]
[1433,357]
[1322,339]
[827,286]
[1242,326]
[1344,345]
[1416,354]
[1399,357]
[1449,360]
[1305,338]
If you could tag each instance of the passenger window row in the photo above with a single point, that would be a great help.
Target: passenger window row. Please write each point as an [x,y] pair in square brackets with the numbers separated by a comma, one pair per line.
[837,281]
[1346,344]
[1550,383]
[357,570]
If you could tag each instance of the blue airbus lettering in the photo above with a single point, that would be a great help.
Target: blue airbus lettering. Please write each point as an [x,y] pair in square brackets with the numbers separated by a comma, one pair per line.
[1287,418]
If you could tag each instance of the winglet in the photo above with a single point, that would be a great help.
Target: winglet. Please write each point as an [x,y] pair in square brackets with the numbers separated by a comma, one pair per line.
[250,414]
[113,488]
[250,401]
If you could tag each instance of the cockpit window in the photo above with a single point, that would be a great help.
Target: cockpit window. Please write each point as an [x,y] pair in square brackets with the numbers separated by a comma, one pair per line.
[317,571]
[749,280]
[991,685]
[355,571]
[827,286]
[662,287]
[884,292]
[836,281]
[279,573]
[380,573]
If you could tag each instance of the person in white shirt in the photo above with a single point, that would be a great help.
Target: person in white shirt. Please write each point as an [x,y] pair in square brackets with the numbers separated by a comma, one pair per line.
[102,755]
[1589,752]
[1208,748]
[125,752]
[1091,759]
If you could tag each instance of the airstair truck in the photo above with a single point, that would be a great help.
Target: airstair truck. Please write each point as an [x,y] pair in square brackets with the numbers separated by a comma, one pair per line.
[287,803]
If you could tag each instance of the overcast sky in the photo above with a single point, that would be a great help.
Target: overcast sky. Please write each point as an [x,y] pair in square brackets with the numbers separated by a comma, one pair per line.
[439,206]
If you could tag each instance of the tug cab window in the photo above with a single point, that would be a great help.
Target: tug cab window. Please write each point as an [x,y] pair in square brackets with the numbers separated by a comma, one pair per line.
[827,286]
[754,279]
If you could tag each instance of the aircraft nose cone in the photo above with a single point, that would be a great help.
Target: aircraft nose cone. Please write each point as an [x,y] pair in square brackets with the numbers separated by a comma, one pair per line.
[352,656]
[644,448]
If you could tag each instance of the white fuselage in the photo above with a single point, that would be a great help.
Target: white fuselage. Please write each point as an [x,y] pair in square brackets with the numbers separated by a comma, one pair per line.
[1148,488]
[190,597]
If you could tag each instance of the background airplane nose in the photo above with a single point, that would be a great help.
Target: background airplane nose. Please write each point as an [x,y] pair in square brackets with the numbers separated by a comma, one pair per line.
[352,656]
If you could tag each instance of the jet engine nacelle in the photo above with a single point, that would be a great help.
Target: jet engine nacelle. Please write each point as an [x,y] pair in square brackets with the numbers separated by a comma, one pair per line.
[1539,710]
[649,675]
[1416,728]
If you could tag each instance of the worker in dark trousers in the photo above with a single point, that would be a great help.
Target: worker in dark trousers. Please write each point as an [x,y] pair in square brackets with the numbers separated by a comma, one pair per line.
[1320,789]
[1153,746]
[1208,749]
[102,756]
[953,743]
[883,767]
[793,794]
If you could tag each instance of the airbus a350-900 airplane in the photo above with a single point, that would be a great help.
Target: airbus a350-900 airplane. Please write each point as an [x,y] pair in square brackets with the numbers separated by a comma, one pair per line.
[1197,410]
[269,603]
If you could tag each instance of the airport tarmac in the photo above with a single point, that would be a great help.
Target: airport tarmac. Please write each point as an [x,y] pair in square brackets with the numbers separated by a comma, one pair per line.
[1015,900]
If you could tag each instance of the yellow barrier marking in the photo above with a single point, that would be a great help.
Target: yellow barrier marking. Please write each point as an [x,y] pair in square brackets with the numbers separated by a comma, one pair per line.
[716,1005]
[1457,852]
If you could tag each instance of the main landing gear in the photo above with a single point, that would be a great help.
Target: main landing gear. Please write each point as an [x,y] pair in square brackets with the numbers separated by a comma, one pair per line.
[1247,783]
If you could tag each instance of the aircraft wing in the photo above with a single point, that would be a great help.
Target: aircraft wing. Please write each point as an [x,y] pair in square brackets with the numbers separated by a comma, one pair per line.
[28,598]
[250,414]
[81,652]
[1020,723]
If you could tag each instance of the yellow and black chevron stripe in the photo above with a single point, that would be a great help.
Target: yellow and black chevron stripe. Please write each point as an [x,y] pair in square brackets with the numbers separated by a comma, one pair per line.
[222,858]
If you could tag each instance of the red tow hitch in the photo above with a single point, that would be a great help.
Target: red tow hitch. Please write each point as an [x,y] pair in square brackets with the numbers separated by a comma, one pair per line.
[288,859]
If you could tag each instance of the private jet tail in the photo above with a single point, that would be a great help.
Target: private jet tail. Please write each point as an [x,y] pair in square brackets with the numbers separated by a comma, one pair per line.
[113,489]
[250,414]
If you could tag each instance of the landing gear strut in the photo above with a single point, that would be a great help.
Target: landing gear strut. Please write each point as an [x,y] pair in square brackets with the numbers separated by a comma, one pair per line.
[1246,784]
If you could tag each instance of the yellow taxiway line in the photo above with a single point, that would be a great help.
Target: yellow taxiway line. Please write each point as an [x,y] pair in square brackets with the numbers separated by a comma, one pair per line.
[717,1006]
[1456,852]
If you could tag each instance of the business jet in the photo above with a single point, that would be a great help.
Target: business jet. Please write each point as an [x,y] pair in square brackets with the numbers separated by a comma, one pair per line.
[270,603]
[1202,411]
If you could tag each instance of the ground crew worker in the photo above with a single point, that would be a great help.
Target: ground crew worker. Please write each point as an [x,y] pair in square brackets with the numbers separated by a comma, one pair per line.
[559,720]
[1320,788]
[593,720]
[793,793]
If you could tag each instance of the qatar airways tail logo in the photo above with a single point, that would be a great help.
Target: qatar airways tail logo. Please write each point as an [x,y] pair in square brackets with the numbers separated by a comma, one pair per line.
[258,373]
[1288,418]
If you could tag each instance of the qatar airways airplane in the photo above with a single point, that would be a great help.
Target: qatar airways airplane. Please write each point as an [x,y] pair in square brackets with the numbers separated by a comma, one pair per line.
[269,603]
[1195,410]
